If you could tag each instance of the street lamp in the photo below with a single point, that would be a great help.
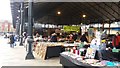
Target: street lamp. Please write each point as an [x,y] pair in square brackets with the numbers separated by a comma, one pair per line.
[21,24]
[26,7]
[17,27]
[19,11]
[18,17]
[30,27]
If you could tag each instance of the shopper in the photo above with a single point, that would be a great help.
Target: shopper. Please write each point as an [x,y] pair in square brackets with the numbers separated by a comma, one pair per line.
[116,41]
[12,41]
[37,35]
[84,38]
[67,38]
[24,36]
[61,35]
[74,36]
[61,38]
[53,37]
[15,39]
[71,37]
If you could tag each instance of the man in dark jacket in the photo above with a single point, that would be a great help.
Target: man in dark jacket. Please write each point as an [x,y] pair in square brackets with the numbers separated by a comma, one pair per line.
[83,38]
[12,41]
[53,37]
[74,36]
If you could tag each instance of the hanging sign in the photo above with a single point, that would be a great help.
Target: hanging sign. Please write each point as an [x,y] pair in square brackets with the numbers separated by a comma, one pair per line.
[71,28]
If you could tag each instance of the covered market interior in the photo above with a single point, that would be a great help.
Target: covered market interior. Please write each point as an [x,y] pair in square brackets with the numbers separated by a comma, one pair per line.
[47,17]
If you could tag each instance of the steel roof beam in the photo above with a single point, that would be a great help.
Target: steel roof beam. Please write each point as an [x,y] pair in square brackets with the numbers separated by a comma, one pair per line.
[79,12]
[69,8]
[91,15]
[111,8]
[98,11]
[47,11]
[105,10]
[116,4]
[92,11]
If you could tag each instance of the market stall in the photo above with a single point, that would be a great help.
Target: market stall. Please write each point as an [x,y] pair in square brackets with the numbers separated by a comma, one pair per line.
[47,50]
[95,56]
[70,60]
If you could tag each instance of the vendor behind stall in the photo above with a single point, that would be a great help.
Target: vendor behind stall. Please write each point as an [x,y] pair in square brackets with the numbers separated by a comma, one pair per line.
[53,38]
[84,37]
[75,36]
[61,37]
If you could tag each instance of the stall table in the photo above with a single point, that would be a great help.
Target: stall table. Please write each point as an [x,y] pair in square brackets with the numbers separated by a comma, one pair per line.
[47,50]
[69,62]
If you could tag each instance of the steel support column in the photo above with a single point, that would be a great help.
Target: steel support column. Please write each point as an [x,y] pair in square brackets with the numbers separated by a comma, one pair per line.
[109,26]
[103,23]
[30,28]
[119,10]
[24,20]
[17,28]
[21,24]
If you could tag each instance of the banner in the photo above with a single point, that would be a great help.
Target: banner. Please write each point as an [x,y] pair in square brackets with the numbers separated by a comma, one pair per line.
[90,32]
[71,28]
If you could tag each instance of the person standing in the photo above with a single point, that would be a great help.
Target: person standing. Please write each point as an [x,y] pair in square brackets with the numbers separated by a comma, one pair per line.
[74,36]
[53,38]
[24,36]
[116,41]
[84,38]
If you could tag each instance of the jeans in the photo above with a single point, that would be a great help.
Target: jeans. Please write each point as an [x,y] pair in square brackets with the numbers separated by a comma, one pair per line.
[12,45]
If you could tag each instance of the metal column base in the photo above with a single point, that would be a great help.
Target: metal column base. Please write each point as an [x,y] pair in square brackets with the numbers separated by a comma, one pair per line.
[29,56]
[21,41]
[21,44]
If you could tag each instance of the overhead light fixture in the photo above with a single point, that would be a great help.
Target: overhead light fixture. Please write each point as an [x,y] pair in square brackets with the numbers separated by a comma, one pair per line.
[84,16]
[58,12]
[116,22]
[22,10]
[18,10]
[26,7]
[17,21]
[18,17]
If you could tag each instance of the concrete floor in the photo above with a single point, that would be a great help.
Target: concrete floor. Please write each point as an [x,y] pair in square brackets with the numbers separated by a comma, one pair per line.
[16,57]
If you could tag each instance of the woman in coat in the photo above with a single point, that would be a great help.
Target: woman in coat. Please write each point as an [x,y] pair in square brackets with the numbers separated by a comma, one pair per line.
[116,41]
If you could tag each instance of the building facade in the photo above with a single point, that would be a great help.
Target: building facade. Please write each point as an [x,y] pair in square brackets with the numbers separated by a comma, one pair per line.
[6,26]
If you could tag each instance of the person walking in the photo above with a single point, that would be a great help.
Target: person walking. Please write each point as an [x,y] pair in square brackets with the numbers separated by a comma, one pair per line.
[24,36]
[15,40]
[12,41]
